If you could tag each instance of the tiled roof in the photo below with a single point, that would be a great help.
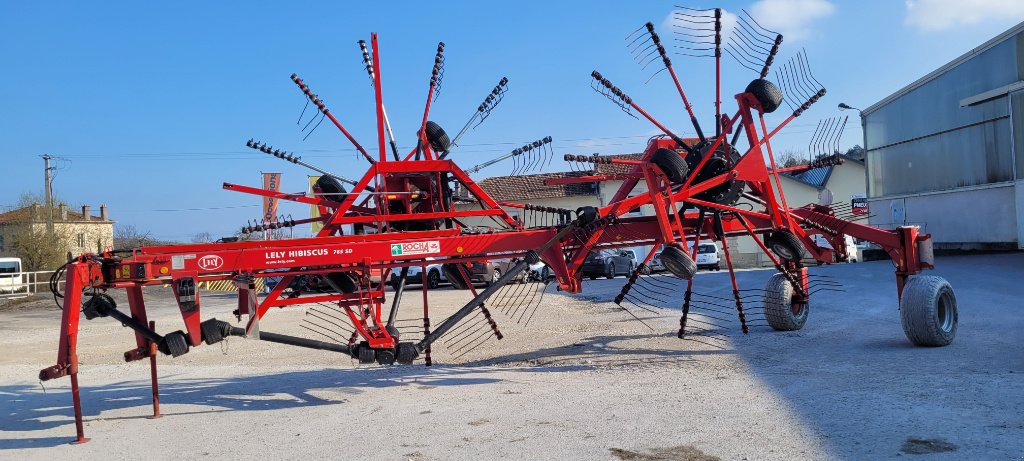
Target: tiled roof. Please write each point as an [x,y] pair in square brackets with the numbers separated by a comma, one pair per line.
[16,215]
[531,186]
[24,214]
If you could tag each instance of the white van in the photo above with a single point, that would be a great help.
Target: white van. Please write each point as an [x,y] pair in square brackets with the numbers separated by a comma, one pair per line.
[709,256]
[11,278]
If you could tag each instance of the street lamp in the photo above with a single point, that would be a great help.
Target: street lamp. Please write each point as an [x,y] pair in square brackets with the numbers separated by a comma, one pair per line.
[845,106]
[864,133]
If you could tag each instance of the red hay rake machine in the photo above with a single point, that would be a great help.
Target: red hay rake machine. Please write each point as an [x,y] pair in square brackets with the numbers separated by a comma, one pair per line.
[402,213]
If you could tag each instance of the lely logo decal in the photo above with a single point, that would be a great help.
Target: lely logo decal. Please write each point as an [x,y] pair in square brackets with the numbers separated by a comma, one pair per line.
[210,262]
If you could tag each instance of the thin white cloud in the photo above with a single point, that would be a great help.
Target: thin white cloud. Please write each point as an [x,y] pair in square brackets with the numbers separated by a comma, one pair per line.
[939,15]
[794,19]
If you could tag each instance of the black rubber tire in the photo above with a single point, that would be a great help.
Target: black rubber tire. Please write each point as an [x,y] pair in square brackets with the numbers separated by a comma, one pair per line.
[592,277]
[672,164]
[174,344]
[385,356]
[433,279]
[778,305]
[343,281]
[330,188]
[495,275]
[407,353]
[645,270]
[678,262]
[437,138]
[586,215]
[365,353]
[609,271]
[454,276]
[785,245]
[766,93]
[928,311]
[211,331]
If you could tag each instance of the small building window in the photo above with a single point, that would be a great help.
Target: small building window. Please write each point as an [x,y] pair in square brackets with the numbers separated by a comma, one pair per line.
[81,240]
[1,243]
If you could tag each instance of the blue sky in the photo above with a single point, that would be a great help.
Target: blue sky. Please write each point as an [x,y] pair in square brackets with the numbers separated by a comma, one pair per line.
[150,104]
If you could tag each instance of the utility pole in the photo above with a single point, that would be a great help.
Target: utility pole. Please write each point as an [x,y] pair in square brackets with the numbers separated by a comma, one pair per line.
[47,170]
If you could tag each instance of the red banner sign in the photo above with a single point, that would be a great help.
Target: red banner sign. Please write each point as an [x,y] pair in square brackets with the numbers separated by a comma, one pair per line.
[271,182]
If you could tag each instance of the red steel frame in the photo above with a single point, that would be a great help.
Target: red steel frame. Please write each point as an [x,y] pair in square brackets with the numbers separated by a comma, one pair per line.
[409,183]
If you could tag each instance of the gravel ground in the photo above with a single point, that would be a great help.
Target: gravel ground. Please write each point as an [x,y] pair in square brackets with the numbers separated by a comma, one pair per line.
[582,381]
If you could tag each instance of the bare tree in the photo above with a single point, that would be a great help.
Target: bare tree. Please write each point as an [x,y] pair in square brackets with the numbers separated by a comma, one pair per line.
[40,250]
[789,158]
[202,237]
[127,236]
[33,198]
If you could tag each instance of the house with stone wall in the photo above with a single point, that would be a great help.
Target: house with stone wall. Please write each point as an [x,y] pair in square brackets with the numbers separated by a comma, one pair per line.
[81,232]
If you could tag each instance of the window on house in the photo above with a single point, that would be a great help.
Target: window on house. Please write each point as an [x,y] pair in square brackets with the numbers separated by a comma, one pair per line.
[1,243]
[81,240]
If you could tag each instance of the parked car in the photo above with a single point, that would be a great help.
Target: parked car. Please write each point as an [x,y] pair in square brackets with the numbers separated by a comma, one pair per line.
[539,272]
[11,278]
[853,250]
[656,265]
[708,256]
[609,263]
[479,272]
[501,266]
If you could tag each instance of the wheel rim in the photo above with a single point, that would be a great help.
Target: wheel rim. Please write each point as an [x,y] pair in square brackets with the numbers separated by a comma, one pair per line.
[495,275]
[782,251]
[945,311]
[432,279]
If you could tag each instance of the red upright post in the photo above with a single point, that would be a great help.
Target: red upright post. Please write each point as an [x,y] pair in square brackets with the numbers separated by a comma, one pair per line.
[77,274]
[152,372]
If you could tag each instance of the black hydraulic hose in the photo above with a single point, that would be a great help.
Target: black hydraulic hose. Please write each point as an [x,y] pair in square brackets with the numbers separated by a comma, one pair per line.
[473,304]
[398,296]
[139,327]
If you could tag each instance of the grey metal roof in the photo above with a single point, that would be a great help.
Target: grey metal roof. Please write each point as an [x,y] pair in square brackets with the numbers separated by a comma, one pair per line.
[937,72]
[816,177]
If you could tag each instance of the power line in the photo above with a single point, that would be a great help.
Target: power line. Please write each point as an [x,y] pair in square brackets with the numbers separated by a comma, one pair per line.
[190,209]
[306,152]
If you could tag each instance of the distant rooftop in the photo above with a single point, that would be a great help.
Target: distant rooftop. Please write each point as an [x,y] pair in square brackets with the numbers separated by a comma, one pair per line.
[25,214]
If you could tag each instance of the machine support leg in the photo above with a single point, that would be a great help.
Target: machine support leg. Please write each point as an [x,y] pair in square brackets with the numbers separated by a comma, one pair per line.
[901,281]
[153,375]
[689,283]
[426,316]
[77,401]
[732,276]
